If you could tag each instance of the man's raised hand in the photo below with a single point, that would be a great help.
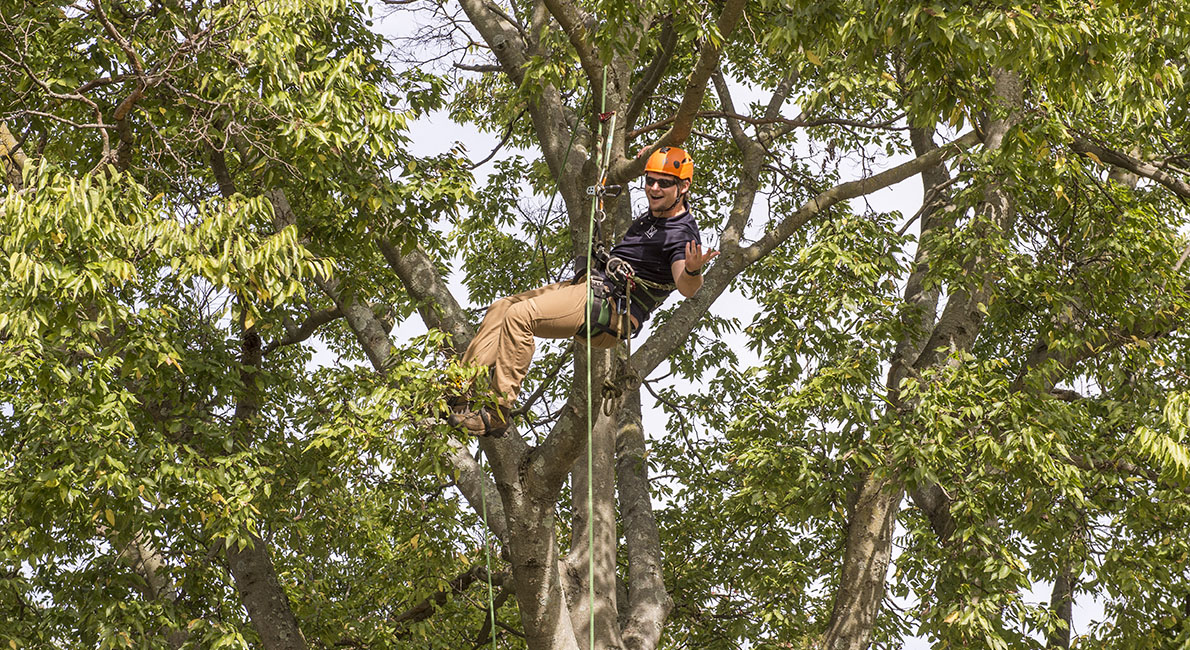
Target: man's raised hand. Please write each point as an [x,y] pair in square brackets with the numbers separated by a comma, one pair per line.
[695,258]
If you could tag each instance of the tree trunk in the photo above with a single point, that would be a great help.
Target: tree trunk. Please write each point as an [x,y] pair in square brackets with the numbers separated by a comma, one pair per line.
[1062,601]
[865,565]
[648,603]
[255,576]
[607,633]
[532,547]
[264,597]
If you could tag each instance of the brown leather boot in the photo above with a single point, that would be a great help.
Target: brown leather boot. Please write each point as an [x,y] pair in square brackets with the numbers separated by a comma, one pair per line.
[481,421]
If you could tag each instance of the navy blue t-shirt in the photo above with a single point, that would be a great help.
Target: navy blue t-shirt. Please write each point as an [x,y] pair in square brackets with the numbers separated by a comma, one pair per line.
[651,245]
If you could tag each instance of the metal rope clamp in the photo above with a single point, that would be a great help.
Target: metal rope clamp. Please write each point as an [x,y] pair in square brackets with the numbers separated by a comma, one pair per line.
[619,270]
[604,190]
[621,274]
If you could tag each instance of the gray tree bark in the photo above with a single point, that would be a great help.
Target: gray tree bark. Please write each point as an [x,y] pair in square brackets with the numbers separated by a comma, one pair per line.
[263,596]
[594,554]
[255,576]
[1062,602]
[648,603]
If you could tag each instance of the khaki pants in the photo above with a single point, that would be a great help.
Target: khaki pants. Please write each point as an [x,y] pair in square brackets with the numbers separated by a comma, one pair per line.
[504,343]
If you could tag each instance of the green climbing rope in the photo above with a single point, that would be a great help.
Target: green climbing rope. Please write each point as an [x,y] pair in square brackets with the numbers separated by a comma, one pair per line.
[603,154]
[601,161]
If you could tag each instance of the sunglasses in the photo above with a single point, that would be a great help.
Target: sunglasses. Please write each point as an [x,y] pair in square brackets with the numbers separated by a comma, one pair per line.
[663,183]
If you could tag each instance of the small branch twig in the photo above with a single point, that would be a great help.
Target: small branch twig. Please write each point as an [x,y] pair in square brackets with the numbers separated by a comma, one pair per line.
[503,141]
[299,333]
[799,122]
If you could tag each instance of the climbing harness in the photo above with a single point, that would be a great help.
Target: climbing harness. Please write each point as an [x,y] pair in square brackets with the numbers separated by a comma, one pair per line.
[617,288]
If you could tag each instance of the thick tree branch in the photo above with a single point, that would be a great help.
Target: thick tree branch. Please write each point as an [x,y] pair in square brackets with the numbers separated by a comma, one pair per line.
[853,189]
[499,11]
[923,305]
[255,575]
[549,463]
[103,81]
[577,25]
[708,61]
[479,489]
[459,584]
[865,564]
[935,503]
[959,323]
[223,177]
[263,596]
[475,485]
[362,320]
[780,96]
[733,120]
[1135,165]
[148,563]
[921,315]
[546,109]
[123,153]
[695,89]
[133,58]
[419,276]
[1046,366]
[435,302]
[754,153]
[957,327]
[1062,603]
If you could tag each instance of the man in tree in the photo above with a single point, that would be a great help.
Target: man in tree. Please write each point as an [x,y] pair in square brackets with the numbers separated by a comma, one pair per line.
[660,252]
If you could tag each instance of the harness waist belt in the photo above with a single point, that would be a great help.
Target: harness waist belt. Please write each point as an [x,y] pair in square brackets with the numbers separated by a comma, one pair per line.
[615,285]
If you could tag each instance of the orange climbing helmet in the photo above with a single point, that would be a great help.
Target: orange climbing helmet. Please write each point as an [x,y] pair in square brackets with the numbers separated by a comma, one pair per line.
[672,161]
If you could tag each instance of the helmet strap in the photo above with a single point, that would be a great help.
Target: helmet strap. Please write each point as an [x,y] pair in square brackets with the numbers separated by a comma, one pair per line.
[681,198]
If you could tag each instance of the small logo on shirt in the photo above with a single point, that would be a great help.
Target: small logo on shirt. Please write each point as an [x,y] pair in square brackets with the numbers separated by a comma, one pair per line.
[651,231]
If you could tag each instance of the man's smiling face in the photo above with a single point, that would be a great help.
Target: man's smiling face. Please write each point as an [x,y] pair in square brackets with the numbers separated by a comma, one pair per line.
[663,192]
